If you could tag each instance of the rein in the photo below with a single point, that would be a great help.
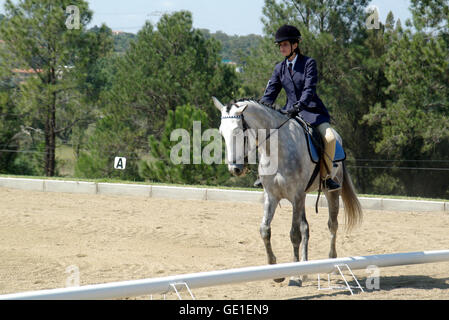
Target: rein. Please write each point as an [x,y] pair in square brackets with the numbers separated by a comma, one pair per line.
[269,134]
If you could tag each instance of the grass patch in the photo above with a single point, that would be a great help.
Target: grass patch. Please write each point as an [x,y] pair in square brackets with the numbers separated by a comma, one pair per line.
[65,160]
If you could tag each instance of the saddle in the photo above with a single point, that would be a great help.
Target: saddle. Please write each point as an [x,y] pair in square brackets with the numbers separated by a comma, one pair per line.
[315,144]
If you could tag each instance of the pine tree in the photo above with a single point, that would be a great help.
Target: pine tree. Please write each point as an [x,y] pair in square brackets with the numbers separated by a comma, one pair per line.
[414,120]
[162,69]
[39,37]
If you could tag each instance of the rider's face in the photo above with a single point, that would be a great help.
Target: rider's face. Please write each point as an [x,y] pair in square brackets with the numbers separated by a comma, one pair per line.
[285,47]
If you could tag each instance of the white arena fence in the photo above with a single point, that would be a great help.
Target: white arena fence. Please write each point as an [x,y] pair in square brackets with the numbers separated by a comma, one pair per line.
[163,285]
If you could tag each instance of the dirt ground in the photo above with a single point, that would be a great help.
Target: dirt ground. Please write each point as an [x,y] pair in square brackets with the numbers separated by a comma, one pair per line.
[117,238]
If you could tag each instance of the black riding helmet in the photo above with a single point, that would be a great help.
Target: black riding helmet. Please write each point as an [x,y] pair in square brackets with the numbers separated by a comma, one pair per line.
[287,32]
[290,33]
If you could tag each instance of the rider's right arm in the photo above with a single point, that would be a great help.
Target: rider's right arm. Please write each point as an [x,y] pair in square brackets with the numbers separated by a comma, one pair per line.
[274,86]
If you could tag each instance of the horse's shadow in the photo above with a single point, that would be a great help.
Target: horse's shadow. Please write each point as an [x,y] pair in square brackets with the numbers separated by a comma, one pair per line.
[386,283]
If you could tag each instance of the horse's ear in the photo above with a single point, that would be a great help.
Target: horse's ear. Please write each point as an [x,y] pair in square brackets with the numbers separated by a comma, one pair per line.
[217,103]
[240,109]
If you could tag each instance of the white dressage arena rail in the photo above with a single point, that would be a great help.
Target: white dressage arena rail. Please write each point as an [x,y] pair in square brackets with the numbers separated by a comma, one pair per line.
[162,285]
[213,194]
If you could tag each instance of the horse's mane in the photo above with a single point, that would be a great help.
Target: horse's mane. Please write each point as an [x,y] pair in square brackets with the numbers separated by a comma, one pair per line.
[270,106]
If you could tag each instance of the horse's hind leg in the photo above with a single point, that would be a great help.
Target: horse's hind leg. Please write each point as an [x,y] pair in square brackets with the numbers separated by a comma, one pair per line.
[270,204]
[333,204]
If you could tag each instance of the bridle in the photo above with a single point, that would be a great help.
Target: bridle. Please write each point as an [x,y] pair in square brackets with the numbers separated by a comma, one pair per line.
[245,128]
[245,136]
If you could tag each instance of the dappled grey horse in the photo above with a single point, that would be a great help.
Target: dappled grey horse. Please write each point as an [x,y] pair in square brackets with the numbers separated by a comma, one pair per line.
[290,176]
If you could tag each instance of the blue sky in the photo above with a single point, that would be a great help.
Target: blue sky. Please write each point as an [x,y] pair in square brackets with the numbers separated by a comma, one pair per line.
[239,17]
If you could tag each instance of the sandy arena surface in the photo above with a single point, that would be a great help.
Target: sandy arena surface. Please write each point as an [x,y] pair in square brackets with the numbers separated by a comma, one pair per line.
[115,238]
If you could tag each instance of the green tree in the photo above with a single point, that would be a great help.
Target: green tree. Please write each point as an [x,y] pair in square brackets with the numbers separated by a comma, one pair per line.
[122,42]
[164,68]
[414,121]
[37,38]
[98,79]
[20,145]
[9,126]
[112,138]
[176,65]
[430,15]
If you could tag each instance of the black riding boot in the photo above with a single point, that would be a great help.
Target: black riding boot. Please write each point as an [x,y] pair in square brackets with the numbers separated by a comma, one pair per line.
[331,185]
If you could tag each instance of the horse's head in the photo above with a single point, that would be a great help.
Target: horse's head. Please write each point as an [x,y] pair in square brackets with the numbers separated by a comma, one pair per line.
[231,128]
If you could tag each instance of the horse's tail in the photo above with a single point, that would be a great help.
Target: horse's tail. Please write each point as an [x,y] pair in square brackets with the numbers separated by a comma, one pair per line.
[353,209]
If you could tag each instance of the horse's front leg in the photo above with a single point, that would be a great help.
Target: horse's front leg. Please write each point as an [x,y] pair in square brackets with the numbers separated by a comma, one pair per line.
[270,204]
[299,233]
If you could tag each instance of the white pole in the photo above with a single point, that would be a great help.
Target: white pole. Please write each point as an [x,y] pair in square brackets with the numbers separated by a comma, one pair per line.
[122,289]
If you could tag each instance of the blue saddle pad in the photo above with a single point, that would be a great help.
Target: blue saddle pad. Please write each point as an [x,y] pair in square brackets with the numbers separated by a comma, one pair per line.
[340,154]
[313,136]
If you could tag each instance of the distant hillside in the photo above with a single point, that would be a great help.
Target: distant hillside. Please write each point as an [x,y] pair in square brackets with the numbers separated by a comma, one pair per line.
[122,40]
[234,46]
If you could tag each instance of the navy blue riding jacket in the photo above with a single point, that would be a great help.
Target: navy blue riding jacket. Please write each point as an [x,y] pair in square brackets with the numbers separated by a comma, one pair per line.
[300,89]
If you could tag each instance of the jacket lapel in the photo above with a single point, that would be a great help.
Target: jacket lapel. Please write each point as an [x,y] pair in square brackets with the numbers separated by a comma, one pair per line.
[298,68]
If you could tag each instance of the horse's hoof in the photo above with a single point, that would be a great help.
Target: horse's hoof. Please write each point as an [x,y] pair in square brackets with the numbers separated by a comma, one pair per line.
[295,282]
[279,280]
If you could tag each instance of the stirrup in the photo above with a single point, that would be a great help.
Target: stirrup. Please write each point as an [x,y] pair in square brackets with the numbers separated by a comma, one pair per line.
[331,185]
